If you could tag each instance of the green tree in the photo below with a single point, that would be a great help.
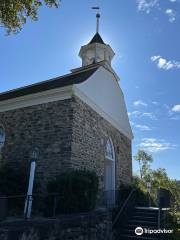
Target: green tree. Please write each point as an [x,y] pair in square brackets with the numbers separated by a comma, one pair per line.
[14,13]
[144,160]
[159,178]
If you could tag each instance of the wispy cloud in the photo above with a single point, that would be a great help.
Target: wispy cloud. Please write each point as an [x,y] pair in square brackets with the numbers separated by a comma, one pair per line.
[149,115]
[134,114]
[176,108]
[163,63]
[143,127]
[132,123]
[173,111]
[154,102]
[171,15]
[176,118]
[140,127]
[169,110]
[146,5]
[139,103]
[155,145]
[138,114]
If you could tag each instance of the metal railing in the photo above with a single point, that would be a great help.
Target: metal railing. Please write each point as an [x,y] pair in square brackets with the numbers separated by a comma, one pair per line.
[112,198]
[46,205]
[42,205]
[126,208]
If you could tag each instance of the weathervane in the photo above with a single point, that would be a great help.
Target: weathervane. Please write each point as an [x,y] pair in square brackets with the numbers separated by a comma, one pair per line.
[97,18]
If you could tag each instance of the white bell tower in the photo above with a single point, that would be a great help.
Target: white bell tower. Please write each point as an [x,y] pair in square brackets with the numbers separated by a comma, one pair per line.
[96,50]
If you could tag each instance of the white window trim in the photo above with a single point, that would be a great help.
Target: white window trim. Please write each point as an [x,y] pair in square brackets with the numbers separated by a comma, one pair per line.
[113,152]
[4,138]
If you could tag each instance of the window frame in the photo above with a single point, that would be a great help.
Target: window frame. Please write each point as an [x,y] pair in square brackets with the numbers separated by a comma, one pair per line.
[2,140]
[109,143]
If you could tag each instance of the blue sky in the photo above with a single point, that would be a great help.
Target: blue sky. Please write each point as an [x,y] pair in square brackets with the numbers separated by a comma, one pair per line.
[145,37]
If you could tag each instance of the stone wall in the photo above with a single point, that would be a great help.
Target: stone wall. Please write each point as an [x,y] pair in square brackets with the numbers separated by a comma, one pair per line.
[95,225]
[47,126]
[89,135]
[68,134]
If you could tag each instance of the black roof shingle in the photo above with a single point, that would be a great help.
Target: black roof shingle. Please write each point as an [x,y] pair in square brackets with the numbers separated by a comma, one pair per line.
[66,80]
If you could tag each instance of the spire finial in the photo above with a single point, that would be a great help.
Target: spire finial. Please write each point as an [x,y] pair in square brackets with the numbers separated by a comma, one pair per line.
[97,18]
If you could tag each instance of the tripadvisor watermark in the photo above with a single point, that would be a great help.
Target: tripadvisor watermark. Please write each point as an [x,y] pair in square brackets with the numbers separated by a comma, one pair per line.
[140,231]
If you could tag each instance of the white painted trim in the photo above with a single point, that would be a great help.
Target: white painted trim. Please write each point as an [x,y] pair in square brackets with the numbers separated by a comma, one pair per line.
[112,161]
[36,98]
[111,142]
[110,69]
[99,110]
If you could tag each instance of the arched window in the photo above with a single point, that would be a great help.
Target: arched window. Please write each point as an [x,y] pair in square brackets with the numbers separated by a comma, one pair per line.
[109,173]
[2,136]
[110,150]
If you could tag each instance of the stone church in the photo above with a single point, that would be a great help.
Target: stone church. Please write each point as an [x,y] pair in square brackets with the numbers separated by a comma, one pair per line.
[78,120]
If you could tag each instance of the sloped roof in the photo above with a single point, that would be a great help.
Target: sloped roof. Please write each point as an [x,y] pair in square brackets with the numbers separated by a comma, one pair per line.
[73,78]
[97,39]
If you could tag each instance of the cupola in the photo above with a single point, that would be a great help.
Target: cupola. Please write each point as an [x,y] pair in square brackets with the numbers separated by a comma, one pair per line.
[96,50]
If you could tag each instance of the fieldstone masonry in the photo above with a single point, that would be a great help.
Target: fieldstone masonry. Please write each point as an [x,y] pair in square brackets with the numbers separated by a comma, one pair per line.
[69,134]
[46,126]
[90,132]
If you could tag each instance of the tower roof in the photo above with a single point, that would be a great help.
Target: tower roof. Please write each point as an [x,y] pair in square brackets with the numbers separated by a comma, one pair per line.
[97,39]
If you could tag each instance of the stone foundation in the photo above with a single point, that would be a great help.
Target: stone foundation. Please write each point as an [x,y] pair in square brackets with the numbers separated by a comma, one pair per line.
[89,226]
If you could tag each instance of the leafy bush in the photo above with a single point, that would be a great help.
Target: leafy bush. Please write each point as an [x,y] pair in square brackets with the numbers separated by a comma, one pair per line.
[142,196]
[170,221]
[123,193]
[77,190]
[14,184]
[121,196]
[13,181]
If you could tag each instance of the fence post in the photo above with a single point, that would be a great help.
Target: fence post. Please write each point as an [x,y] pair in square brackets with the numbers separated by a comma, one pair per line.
[55,205]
